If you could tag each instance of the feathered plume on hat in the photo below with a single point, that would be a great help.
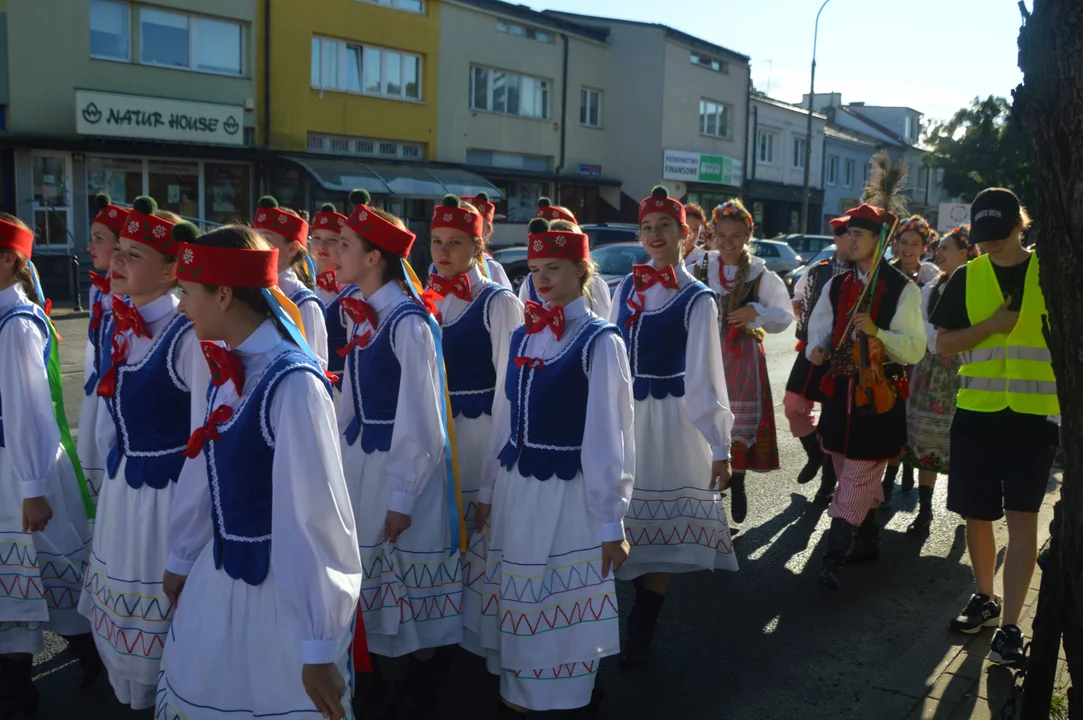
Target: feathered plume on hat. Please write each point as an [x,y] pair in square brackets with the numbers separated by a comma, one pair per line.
[885,186]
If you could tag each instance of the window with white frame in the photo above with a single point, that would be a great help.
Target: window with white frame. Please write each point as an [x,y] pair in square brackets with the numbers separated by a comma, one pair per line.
[799,149]
[366,70]
[508,93]
[848,173]
[714,118]
[590,107]
[832,169]
[110,36]
[868,172]
[524,31]
[710,63]
[51,179]
[191,42]
[765,144]
[414,6]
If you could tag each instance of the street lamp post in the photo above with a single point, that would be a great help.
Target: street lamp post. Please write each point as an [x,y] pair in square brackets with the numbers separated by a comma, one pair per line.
[808,134]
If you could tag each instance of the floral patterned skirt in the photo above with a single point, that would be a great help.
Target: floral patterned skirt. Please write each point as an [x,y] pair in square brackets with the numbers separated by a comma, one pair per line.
[929,413]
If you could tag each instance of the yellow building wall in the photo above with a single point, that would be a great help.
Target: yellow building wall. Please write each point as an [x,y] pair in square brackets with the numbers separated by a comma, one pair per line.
[297,109]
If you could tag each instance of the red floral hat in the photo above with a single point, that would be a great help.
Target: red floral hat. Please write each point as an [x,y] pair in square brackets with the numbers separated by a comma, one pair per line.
[328,218]
[661,202]
[17,238]
[869,217]
[232,267]
[451,214]
[547,210]
[546,243]
[109,215]
[734,210]
[378,231]
[285,223]
[145,227]
[482,203]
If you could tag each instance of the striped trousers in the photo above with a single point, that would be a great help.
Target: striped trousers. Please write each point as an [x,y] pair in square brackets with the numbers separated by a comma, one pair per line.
[859,488]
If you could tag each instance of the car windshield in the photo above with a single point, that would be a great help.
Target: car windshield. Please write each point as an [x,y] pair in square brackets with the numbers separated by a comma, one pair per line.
[826,254]
[618,259]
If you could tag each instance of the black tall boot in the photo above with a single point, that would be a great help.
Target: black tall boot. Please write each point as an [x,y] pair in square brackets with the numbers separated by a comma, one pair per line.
[890,474]
[18,695]
[815,453]
[424,681]
[866,547]
[641,623]
[828,480]
[83,648]
[839,538]
[907,478]
[738,498]
[925,511]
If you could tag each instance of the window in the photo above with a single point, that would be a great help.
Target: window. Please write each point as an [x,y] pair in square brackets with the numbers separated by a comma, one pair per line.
[52,192]
[197,43]
[710,63]
[766,145]
[414,6]
[109,30]
[367,70]
[868,171]
[848,176]
[832,169]
[714,119]
[799,150]
[508,93]
[590,107]
[763,250]
[542,36]
[909,128]
[510,161]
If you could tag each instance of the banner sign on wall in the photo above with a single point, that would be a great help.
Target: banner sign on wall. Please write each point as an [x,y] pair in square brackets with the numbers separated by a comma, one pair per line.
[149,118]
[699,168]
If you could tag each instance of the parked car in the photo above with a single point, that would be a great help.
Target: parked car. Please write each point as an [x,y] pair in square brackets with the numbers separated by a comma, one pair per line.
[808,245]
[514,261]
[828,253]
[615,261]
[779,256]
[514,258]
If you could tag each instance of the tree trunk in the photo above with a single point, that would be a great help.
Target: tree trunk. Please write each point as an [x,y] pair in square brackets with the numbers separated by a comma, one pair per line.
[1049,108]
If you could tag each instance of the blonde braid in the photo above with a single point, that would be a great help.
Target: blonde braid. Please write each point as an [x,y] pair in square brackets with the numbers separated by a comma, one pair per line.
[741,285]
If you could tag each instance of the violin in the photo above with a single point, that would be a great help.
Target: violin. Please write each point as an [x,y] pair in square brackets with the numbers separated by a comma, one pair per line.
[875,392]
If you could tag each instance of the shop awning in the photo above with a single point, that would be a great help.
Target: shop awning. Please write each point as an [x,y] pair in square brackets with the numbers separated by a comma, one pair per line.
[401,179]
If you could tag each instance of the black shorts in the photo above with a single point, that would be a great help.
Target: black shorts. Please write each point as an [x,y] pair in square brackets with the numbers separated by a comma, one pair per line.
[986,478]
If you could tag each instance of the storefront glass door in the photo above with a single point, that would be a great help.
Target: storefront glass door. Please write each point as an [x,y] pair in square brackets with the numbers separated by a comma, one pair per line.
[175,185]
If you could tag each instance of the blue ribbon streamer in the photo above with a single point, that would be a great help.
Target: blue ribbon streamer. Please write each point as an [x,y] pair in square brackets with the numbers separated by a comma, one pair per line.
[284,318]
[37,284]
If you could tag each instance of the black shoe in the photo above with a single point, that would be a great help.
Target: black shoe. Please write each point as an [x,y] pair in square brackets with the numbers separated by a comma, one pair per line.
[981,611]
[866,546]
[1007,647]
[83,648]
[839,538]
[18,694]
[921,522]
[641,623]
[738,498]
[815,453]
[889,482]
[907,478]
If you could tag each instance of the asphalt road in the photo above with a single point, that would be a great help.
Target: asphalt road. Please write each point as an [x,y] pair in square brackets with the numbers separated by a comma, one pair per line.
[763,643]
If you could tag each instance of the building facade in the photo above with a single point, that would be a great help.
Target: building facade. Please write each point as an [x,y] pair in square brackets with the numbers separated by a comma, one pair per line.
[845,172]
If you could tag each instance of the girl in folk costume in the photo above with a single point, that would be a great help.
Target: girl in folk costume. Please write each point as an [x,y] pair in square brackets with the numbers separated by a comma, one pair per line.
[803,386]
[392,415]
[931,407]
[287,232]
[44,504]
[263,566]
[754,301]
[869,336]
[557,483]
[597,293]
[104,236]
[669,322]
[153,384]
[323,236]
[493,270]
[696,258]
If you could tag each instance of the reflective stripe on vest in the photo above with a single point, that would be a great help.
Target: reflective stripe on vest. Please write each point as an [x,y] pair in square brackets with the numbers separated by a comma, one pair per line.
[1007,371]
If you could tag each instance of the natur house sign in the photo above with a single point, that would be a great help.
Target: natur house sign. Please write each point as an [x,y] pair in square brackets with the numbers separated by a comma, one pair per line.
[149,118]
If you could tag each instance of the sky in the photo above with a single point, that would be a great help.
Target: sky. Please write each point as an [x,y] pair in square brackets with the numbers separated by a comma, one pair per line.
[931,55]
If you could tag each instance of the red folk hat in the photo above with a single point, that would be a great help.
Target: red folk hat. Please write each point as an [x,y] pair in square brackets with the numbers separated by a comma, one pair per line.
[546,243]
[451,214]
[661,202]
[328,218]
[840,224]
[378,231]
[550,212]
[481,202]
[232,267]
[869,217]
[109,215]
[275,219]
[17,238]
[143,226]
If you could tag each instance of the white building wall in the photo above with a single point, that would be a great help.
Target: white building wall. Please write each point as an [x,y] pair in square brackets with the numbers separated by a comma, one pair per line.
[787,123]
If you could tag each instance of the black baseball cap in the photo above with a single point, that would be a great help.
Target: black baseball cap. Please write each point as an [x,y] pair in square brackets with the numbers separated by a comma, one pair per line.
[993,215]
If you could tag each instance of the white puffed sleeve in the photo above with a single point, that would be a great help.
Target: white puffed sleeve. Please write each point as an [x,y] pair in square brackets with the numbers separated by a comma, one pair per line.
[821,324]
[608,439]
[706,399]
[601,301]
[31,435]
[417,442]
[499,434]
[314,557]
[315,328]
[497,273]
[772,303]
[524,288]
[905,340]
[193,369]
[190,519]
[505,314]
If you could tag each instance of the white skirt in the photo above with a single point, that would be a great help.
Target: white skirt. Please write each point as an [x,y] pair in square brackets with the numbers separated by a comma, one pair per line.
[472,440]
[41,573]
[86,445]
[234,651]
[542,611]
[122,593]
[411,595]
[675,523]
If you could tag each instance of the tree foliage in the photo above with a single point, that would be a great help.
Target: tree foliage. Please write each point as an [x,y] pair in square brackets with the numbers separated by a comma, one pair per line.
[981,147]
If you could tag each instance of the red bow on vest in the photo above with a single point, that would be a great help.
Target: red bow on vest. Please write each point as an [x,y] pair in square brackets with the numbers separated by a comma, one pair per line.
[126,318]
[538,318]
[332,378]
[224,366]
[360,311]
[96,315]
[357,342]
[459,286]
[529,362]
[328,281]
[107,387]
[199,438]
[429,298]
[646,276]
[100,281]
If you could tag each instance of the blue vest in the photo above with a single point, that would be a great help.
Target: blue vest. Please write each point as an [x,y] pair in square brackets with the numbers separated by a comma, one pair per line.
[98,340]
[468,357]
[151,411]
[549,406]
[35,313]
[239,469]
[375,373]
[337,328]
[657,340]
